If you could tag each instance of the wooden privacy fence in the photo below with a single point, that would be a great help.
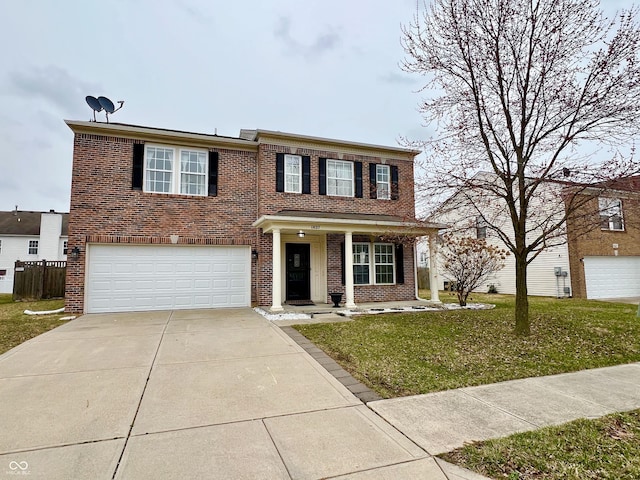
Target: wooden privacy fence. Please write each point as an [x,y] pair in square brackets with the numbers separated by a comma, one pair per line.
[37,280]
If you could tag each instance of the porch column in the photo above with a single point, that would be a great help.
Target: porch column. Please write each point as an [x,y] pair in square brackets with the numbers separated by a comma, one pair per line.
[276,285]
[434,278]
[348,271]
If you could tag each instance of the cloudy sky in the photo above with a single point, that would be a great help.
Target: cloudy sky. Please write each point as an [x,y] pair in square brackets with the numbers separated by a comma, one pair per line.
[323,68]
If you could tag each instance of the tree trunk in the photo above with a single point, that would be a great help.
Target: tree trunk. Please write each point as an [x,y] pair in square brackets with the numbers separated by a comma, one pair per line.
[462,298]
[522,300]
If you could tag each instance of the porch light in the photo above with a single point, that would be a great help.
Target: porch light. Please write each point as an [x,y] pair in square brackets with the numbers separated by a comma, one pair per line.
[75,253]
[301,234]
[254,254]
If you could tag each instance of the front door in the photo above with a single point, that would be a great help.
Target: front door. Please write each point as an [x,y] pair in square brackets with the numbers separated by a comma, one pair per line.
[298,271]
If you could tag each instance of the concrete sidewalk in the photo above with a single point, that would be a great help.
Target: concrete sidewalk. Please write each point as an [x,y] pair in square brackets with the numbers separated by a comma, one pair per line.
[442,421]
[225,394]
[188,394]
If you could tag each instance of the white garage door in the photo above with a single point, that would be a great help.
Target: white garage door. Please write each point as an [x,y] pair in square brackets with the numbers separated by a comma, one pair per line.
[124,278]
[612,277]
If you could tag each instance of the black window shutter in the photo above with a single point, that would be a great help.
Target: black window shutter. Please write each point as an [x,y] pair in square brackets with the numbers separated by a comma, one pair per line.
[373,189]
[399,264]
[342,262]
[138,166]
[306,174]
[358,168]
[322,176]
[394,183]
[213,174]
[279,172]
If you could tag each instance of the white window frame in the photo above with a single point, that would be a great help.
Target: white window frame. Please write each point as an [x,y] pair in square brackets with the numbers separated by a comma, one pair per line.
[33,245]
[292,180]
[609,209]
[332,190]
[65,247]
[362,258]
[377,264]
[176,183]
[383,187]
[372,263]
[0,245]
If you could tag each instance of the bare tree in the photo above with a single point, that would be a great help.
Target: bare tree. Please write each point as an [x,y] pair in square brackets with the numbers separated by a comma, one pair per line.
[469,262]
[534,93]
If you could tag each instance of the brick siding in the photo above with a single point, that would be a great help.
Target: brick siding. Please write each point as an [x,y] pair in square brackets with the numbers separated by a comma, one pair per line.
[105,209]
[598,242]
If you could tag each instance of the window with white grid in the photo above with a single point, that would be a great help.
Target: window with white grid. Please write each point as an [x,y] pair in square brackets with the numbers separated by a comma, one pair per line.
[33,247]
[175,170]
[361,263]
[339,178]
[293,173]
[193,169]
[383,260]
[383,182]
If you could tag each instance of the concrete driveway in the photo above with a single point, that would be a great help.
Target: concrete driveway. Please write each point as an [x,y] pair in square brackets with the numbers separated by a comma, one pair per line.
[187,394]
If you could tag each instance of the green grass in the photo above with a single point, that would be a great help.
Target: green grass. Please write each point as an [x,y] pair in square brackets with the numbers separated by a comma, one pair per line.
[16,327]
[413,353]
[606,448]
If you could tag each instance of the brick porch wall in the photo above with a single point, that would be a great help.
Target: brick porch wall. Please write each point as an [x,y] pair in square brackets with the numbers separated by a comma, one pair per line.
[368,293]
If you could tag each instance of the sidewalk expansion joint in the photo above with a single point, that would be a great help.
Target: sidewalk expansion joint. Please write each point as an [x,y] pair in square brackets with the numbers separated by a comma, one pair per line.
[144,389]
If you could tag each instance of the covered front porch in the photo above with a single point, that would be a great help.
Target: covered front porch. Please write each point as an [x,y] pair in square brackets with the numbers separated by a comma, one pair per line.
[309,259]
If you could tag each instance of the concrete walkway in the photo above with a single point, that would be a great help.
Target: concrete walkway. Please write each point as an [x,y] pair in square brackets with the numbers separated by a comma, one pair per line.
[225,394]
[187,394]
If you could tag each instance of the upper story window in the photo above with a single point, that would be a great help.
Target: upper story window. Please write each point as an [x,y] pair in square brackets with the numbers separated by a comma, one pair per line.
[293,173]
[610,213]
[383,182]
[339,178]
[0,246]
[481,228]
[33,247]
[65,247]
[175,170]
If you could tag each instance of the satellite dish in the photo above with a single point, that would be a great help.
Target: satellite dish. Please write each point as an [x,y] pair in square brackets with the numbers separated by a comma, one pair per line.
[107,104]
[94,104]
[102,103]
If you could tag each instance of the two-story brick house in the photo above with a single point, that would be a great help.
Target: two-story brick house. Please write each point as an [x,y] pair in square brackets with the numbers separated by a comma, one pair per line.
[604,241]
[165,219]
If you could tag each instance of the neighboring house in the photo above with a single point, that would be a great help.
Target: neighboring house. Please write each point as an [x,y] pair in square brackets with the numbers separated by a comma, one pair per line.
[549,274]
[165,219]
[597,252]
[30,236]
[605,256]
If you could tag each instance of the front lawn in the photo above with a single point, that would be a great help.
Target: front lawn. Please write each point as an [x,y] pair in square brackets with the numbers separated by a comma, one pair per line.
[16,327]
[413,353]
[606,448]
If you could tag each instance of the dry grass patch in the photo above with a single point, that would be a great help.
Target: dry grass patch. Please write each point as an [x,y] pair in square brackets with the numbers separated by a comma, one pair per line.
[16,327]
[606,448]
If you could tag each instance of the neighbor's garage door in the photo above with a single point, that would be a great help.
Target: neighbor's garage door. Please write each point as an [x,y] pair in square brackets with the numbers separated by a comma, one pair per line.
[612,277]
[124,278]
